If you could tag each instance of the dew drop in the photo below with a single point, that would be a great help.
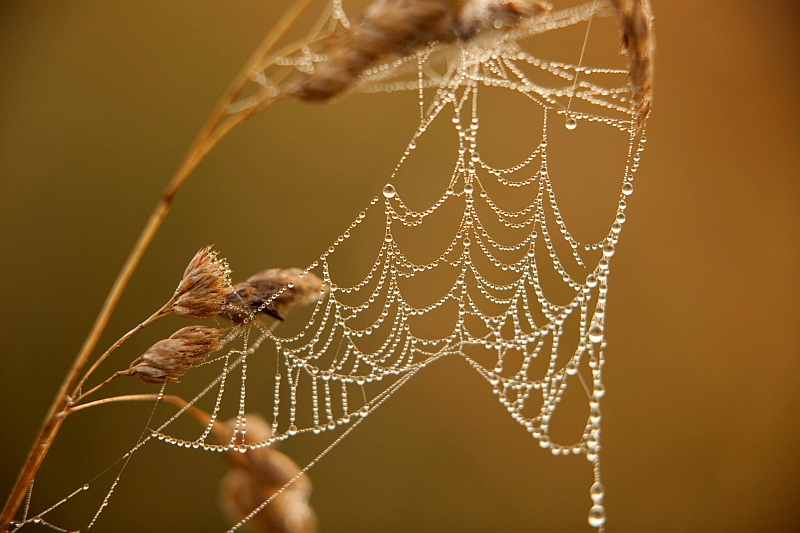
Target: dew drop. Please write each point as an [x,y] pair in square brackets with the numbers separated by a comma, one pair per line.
[597,492]
[597,515]
[608,249]
[571,368]
[571,123]
[389,191]
[596,333]
[468,188]
[627,188]
[86,487]
[364,411]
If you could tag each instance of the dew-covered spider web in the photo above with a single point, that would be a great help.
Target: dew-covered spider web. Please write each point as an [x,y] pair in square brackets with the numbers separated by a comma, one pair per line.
[487,271]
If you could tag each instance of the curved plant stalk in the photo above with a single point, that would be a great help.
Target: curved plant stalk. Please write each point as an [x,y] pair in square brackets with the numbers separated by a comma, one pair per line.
[218,125]
[201,416]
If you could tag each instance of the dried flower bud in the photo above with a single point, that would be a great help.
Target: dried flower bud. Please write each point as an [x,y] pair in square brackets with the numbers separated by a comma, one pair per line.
[205,284]
[257,475]
[273,292]
[169,359]
[401,27]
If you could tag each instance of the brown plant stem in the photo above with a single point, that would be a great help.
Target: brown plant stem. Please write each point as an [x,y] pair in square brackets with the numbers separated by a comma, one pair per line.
[217,126]
[77,395]
[175,400]
[219,429]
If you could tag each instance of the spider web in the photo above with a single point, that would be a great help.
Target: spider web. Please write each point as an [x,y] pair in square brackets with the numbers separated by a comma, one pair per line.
[513,292]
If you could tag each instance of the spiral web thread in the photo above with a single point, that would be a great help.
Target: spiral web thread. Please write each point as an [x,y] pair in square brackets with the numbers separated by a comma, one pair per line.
[362,337]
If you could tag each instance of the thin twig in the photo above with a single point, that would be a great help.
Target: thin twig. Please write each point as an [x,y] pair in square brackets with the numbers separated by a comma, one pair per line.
[175,400]
[76,393]
[96,388]
[217,126]
[202,417]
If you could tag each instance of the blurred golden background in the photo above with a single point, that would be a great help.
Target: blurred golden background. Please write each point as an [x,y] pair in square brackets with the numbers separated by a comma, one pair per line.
[99,102]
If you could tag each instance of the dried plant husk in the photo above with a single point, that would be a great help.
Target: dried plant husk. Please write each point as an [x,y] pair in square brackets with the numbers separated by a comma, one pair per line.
[203,288]
[256,475]
[635,20]
[272,292]
[474,16]
[169,359]
[401,27]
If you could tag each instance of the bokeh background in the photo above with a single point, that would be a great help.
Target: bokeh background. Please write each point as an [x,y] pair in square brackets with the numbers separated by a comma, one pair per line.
[99,101]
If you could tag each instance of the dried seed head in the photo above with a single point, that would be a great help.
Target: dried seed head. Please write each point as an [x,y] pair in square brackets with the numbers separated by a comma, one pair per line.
[386,28]
[270,466]
[635,19]
[273,292]
[169,359]
[205,284]
[245,301]
[289,512]
[258,474]
[402,27]
[301,289]
[479,15]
